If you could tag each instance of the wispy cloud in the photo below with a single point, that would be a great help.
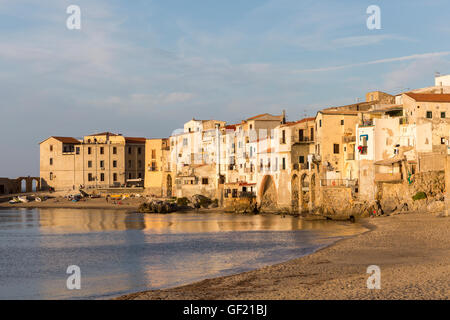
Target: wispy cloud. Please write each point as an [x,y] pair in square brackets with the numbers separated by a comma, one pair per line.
[380,61]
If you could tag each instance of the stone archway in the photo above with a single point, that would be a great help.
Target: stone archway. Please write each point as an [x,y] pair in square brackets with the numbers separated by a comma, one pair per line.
[169,186]
[28,183]
[295,193]
[268,193]
[305,192]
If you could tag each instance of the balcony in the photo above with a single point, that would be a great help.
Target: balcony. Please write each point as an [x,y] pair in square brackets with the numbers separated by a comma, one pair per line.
[304,139]
[300,166]
[388,177]
[348,139]
[367,123]
[152,169]
[362,150]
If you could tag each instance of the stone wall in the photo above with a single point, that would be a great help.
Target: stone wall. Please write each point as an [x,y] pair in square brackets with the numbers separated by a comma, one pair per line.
[447,186]
[336,201]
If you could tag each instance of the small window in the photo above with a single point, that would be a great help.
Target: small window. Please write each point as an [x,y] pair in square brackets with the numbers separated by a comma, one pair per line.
[114,163]
[78,150]
[342,122]
[129,176]
[102,150]
[153,154]
[129,150]
[89,150]
[320,123]
[102,163]
[89,164]
[139,175]
[284,164]
[114,150]
[51,147]
[51,161]
[139,150]
[336,148]
[129,163]
[204,180]
[139,164]
[51,176]
[442,115]
[429,114]
[301,159]
[442,140]
[114,177]
[90,178]
[102,177]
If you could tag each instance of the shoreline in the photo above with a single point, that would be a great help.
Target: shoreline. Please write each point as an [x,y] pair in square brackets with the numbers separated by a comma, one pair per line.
[412,251]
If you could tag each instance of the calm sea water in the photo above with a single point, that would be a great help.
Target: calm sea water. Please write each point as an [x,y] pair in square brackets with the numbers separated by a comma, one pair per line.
[121,252]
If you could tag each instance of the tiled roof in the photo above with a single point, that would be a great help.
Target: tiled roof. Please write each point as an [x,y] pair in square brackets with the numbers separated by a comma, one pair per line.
[65,140]
[429,97]
[291,123]
[134,140]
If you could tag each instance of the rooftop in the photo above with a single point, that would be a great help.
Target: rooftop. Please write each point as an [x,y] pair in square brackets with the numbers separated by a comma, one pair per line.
[429,97]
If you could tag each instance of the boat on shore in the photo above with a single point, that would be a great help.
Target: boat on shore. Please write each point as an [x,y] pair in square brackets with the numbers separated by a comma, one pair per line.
[14,200]
[22,199]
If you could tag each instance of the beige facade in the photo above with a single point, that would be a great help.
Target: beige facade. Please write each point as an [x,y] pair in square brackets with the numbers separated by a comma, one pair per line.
[98,160]
[158,175]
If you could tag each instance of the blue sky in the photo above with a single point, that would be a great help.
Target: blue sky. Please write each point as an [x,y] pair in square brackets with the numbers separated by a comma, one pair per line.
[143,68]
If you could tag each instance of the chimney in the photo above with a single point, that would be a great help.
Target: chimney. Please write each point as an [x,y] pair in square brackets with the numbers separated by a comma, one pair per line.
[283,121]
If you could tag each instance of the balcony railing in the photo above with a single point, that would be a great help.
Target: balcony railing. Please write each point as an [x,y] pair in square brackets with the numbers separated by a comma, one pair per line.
[304,139]
[300,166]
[348,139]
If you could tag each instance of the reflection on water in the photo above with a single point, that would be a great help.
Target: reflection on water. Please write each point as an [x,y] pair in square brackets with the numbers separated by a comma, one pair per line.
[121,252]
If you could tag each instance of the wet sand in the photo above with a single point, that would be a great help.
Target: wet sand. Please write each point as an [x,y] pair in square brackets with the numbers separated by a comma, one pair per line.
[412,250]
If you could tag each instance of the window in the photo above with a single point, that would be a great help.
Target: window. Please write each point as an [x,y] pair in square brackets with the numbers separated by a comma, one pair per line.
[153,154]
[283,139]
[204,180]
[342,122]
[129,176]
[114,177]
[129,150]
[139,164]
[429,114]
[442,115]
[336,148]
[234,193]
[442,140]
[114,150]
[89,164]
[301,159]
[185,142]
[51,161]
[114,163]
[102,150]
[251,127]
[78,150]
[153,168]
[51,176]
[139,150]
[312,134]
[139,175]
[129,163]
[284,164]
[102,177]
[51,147]
[102,163]
[89,150]
[90,178]
[320,123]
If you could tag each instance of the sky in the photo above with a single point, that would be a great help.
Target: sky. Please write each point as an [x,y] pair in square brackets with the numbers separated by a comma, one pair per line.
[143,68]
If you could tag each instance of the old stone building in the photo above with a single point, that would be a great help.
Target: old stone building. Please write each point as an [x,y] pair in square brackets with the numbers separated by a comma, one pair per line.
[158,174]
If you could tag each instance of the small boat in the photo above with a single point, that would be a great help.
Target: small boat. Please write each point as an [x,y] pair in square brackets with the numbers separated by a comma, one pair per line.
[37,199]
[23,199]
[14,200]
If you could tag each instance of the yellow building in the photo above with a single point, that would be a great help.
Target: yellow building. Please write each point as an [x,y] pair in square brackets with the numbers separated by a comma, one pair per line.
[97,160]
[158,176]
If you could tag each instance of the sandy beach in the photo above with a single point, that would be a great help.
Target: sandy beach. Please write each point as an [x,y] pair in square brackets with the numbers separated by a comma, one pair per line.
[412,250]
